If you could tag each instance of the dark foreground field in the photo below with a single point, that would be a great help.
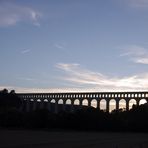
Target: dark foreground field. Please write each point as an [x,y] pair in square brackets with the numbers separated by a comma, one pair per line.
[62,139]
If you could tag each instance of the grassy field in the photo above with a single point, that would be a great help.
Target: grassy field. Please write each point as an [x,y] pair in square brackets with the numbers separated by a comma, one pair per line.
[70,139]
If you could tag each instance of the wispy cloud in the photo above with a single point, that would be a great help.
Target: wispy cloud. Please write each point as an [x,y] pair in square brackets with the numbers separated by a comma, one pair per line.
[11,14]
[86,78]
[43,90]
[135,4]
[59,45]
[29,90]
[136,54]
[79,79]
[25,51]
[88,81]
[138,3]
[26,78]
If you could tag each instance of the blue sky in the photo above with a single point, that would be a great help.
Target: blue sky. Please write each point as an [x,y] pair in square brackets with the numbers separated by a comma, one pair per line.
[74,45]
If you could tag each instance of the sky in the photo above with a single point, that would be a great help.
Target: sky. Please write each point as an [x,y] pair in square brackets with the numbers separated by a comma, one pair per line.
[74,45]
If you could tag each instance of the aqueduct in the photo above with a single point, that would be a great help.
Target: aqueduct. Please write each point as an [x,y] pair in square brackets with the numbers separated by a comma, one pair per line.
[45,100]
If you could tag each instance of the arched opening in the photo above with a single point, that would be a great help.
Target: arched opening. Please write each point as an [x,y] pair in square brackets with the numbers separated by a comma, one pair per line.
[45,103]
[68,101]
[94,103]
[38,100]
[85,102]
[122,104]
[60,101]
[142,101]
[68,105]
[52,101]
[48,104]
[60,105]
[31,100]
[112,105]
[38,103]
[103,104]
[52,105]
[76,102]
[45,100]
[132,102]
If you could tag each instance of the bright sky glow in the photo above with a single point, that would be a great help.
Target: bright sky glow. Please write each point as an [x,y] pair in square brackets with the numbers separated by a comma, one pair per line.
[74,45]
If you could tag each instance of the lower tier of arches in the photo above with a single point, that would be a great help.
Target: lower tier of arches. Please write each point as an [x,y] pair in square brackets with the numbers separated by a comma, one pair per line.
[60,104]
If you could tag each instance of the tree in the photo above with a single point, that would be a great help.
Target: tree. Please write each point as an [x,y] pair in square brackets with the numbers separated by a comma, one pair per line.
[9,100]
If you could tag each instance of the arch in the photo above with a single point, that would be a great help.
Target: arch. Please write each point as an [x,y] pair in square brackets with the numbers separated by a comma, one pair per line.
[61,105]
[45,100]
[76,102]
[103,104]
[122,104]
[85,102]
[38,103]
[112,105]
[38,100]
[53,101]
[45,103]
[53,106]
[142,101]
[94,103]
[67,105]
[68,101]
[132,102]
[60,101]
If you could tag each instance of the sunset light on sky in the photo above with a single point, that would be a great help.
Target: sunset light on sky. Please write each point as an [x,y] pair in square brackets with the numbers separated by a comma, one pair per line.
[74,45]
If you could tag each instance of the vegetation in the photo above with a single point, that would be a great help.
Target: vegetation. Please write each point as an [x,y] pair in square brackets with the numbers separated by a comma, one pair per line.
[135,119]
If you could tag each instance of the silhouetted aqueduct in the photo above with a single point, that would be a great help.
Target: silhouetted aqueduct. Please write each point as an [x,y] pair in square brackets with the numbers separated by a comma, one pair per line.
[32,101]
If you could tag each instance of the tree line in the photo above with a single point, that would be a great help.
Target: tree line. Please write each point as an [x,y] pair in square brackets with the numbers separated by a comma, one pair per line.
[88,118]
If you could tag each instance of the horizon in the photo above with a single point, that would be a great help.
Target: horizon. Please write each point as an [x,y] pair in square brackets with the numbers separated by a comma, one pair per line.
[67,90]
[81,45]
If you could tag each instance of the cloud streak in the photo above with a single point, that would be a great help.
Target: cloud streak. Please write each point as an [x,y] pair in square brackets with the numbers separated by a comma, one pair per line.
[86,78]
[11,14]
[79,79]
[43,90]
[59,46]
[25,51]
[26,79]
[138,3]
[136,54]
[29,90]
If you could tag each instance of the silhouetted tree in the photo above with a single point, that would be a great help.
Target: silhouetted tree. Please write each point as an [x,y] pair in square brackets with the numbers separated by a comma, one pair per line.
[9,100]
[4,91]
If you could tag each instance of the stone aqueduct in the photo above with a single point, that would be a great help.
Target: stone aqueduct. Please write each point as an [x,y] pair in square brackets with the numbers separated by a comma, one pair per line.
[72,98]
